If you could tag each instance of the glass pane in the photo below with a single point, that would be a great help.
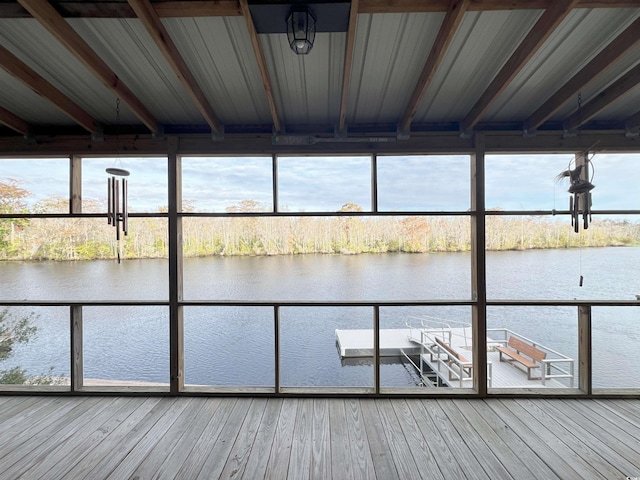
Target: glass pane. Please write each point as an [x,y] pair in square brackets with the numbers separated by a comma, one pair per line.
[126,346]
[34,185]
[34,345]
[426,347]
[557,263]
[615,176]
[229,346]
[227,184]
[42,270]
[308,356]
[424,183]
[324,184]
[615,338]
[249,258]
[147,183]
[539,347]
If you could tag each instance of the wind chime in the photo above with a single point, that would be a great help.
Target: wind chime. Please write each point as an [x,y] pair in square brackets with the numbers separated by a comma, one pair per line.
[117,189]
[580,187]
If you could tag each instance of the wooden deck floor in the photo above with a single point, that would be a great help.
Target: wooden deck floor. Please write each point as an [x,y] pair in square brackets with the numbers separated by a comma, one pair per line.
[185,438]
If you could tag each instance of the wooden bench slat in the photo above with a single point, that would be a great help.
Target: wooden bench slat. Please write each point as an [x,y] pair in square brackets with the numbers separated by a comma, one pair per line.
[515,347]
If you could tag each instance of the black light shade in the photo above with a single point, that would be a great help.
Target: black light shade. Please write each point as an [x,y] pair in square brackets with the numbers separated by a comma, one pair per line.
[301,30]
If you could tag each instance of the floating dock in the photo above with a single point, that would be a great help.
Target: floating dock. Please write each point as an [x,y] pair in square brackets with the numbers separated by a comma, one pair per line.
[359,343]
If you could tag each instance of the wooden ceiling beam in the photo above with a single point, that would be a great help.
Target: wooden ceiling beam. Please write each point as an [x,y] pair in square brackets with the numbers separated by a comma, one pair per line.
[632,124]
[262,65]
[607,57]
[447,31]
[231,8]
[42,87]
[629,80]
[12,121]
[348,64]
[546,24]
[44,12]
[149,18]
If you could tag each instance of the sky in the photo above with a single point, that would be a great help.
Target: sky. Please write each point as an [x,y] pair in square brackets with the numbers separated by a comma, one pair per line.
[308,184]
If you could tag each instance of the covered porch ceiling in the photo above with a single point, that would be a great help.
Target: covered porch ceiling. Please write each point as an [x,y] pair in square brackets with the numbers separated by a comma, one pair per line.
[396,69]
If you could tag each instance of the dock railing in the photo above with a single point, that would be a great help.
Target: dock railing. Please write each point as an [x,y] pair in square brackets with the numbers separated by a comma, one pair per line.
[559,366]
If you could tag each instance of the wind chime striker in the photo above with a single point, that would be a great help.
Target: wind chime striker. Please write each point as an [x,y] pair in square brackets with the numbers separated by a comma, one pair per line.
[117,189]
[580,187]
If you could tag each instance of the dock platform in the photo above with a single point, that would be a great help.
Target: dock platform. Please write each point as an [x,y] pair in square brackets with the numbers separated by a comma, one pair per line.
[359,343]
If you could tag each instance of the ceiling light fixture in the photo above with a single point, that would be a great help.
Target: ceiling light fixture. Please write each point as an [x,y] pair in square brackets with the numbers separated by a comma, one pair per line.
[301,30]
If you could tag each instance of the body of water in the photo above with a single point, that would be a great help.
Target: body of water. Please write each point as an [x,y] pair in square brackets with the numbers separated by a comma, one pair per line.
[234,345]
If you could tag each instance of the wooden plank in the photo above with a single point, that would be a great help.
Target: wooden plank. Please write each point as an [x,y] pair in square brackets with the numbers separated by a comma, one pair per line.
[499,448]
[564,431]
[300,459]
[113,441]
[378,444]
[38,449]
[320,447]
[258,457]
[278,464]
[609,436]
[450,452]
[418,444]
[262,64]
[66,454]
[213,410]
[628,432]
[18,408]
[432,6]
[14,122]
[341,464]
[458,430]
[623,410]
[397,443]
[360,454]
[146,444]
[239,455]
[218,455]
[539,442]
[348,64]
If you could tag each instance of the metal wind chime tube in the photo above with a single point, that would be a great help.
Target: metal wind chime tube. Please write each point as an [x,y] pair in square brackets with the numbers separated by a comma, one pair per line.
[117,214]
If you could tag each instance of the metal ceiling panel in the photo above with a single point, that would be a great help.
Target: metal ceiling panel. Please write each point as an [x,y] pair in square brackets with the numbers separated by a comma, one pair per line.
[482,45]
[219,53]
[307,88]
[389,55]
[128,49]
[38,49]
[573,44]
[28,105]
[623,107]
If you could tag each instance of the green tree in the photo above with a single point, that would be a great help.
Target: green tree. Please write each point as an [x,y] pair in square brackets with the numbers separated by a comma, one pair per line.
[12,332]
[12,197]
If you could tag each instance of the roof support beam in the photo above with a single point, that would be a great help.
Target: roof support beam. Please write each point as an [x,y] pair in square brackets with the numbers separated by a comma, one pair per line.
[455,12]
[262,64]
[65,34]
[158,32]
[546,24]
[632,124]
[42,87]
[348,64]
[618,88]
[9,119]
[607,57]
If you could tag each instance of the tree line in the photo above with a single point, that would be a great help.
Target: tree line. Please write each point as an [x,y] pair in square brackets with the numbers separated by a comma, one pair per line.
[91,238]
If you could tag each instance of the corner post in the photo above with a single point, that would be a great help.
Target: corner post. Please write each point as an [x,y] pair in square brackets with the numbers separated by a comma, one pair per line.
[585,359]
[75,311]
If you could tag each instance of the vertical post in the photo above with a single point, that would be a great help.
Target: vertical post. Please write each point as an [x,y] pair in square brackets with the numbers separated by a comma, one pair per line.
[276,346]
[584,349]
[478,267]
[77,373]
[376,348]
[274,180]
[75,185]
[176,318]
[75,311]
[374,183]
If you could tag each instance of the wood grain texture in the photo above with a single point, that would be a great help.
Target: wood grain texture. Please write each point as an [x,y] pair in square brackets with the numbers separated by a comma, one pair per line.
[339,438]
